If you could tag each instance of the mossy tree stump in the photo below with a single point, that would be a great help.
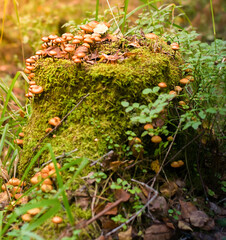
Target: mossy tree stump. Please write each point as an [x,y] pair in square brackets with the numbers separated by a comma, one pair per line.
[100,116]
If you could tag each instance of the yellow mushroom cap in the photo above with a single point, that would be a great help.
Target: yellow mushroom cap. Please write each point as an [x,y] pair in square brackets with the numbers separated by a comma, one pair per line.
[57,220]
[156,139]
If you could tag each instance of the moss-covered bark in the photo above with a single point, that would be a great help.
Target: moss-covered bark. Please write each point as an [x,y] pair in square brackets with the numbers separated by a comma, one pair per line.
[100,115]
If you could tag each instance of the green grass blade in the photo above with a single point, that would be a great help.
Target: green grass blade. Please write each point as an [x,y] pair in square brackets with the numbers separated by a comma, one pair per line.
[60,183]
[9,94]
[3,19]
[1,220]
[135,10]
[3,137]
[97,9]
[126,3]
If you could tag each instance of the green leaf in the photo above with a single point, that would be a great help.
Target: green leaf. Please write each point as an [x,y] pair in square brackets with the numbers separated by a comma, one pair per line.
[195,125]
[155,89]
[136,105]
[147,91]
[202,115]
[129,109]
[211,110]
[125,103]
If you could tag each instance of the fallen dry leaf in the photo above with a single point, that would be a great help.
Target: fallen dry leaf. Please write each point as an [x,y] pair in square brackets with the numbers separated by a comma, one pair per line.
[127,235]
[159,207]
[186,210]
[201,220]
[158,232]
[184,226]
[112,211]
[168,189]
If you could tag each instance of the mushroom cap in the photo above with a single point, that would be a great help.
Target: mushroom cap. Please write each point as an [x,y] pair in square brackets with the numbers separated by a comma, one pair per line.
[93,24]
[175,164]
[162,85]
[148,126]
[135,140]
[57,220]
[78,37]
[52,37]
[14,181]
[170,138]
[34,211]
[21,134]
[178,88]
[35,180]
[77,60]
[54,121]
[181,163]
[88,40]
[182,103]
[26,217]
[151,36]
[175,46]
[19,141]
[69,48]
[46,188]
[184,81]
[35,89]
[86,28]
[30,60]
[156,139]
[81,55]
[45,39]
[172,93]
[76,41]
[52,53]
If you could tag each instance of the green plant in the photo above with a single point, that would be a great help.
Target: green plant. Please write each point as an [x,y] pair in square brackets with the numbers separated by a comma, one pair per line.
[98,176]
[174,213]
[123,184]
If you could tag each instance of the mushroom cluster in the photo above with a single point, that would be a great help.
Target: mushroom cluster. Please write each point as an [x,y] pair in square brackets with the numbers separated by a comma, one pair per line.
[20,141]
[177,164]
[14,187]
[27,217]
[46,173]
[68,46]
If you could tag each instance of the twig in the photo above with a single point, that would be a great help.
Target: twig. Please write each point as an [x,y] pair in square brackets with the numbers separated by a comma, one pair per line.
[41,140]
[136,214]
[63,155]
[105,155]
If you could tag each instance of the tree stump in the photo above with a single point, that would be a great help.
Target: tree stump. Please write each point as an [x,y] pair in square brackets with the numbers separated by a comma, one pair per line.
[100,117]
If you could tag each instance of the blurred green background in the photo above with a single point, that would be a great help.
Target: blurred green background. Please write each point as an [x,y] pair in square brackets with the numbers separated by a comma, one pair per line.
[25,22]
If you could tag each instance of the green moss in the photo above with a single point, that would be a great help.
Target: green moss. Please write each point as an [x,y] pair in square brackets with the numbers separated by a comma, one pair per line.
[64,84]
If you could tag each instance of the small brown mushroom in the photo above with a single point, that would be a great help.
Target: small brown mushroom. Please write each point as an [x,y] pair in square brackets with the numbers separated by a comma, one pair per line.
[54,121]
[21,134]
[156,139]
[57,220]
[35,89]
[26,217]
[19,142]
[162,85]
[14,181]
[184,81]
[48,130]
[34,211]
[86,28]
[46,188]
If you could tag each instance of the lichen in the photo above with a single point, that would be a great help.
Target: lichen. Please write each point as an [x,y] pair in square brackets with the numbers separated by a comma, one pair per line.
[64,84]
